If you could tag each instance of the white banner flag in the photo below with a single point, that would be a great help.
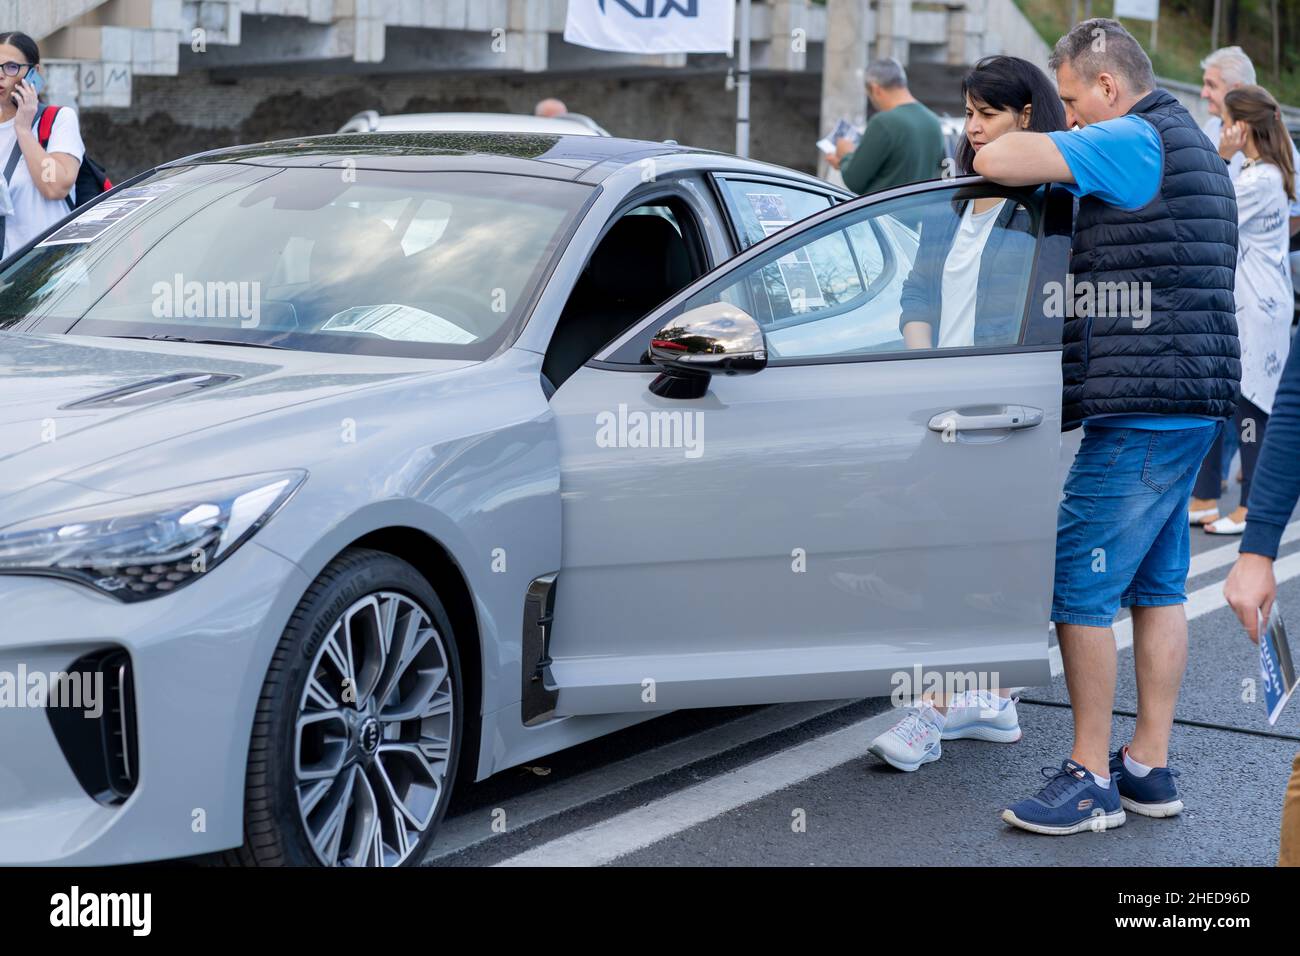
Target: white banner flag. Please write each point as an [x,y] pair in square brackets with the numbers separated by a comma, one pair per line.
[652,26]
[1138,9]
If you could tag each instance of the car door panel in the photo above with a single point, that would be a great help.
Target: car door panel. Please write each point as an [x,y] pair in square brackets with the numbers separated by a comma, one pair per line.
[788,568]
[803,533]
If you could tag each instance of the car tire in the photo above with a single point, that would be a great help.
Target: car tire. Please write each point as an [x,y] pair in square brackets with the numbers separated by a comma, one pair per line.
[351,600]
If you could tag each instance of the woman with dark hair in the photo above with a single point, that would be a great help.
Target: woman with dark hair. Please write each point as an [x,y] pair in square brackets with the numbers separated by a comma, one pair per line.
[38,178]
[981,246]
[1266,187]
[1003,93]
[966,288]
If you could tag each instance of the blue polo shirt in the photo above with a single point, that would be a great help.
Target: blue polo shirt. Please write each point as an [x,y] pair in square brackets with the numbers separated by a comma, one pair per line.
[1121,162]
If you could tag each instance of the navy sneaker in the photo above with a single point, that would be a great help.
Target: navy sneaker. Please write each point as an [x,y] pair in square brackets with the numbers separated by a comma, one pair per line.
[1070,803]
[1153,795]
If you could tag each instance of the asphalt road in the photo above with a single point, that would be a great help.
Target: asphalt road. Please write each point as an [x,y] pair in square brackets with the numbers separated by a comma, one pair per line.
[793,784]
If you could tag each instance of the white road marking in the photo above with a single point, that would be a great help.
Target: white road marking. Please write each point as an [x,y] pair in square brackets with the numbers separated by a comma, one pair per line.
[659,819]
[1216,558]
[475,827]
[630,831]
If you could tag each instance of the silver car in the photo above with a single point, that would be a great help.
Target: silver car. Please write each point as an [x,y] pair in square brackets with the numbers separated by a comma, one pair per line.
[336,471]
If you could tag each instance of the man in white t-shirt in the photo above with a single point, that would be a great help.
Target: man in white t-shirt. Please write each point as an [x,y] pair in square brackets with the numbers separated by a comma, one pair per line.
[1227,69]
[43,178]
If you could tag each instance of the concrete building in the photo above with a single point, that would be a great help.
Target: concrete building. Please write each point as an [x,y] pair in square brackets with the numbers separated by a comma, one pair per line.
[154,79]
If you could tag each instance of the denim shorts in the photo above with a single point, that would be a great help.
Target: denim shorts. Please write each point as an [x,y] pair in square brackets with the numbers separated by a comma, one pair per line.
[1122,536]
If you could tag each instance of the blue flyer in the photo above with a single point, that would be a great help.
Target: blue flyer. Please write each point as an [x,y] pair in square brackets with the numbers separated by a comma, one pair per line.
[1275,663]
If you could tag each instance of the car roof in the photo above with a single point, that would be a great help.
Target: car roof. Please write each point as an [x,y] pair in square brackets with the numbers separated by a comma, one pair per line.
[589,159]
[478,123]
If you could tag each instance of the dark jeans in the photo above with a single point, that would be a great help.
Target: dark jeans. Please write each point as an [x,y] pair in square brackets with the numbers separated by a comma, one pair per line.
[1252,438]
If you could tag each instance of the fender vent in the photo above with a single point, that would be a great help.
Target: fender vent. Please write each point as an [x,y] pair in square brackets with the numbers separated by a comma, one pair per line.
[154,390]
[538,701]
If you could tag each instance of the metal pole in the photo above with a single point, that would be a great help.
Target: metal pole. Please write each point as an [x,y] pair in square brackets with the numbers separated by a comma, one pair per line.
[1277,42]
[742,84]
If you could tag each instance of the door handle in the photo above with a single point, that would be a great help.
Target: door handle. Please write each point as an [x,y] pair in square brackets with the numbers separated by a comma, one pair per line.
[1011,417]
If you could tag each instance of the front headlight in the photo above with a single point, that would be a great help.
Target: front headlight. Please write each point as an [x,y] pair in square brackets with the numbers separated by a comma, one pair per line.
[143,547]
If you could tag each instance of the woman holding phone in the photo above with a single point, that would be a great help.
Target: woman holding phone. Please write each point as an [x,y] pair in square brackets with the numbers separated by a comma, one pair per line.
[1265,188]
[38,179]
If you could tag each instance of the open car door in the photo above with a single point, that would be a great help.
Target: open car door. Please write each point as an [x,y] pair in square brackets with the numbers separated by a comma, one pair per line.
[864,514]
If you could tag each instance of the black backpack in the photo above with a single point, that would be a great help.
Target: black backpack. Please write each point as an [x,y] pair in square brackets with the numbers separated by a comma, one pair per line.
[91,178]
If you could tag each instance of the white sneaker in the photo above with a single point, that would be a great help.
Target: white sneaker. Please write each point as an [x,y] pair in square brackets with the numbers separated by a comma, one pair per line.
[982,715]
[909,743]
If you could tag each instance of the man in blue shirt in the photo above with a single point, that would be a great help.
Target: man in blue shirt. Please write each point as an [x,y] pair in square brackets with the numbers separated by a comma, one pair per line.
[1151,381]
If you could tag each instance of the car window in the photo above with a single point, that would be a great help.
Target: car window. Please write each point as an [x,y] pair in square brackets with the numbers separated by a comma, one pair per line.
[760,209]
[647,255]
[660,210]
[926,273]
[434,264]
[817,277]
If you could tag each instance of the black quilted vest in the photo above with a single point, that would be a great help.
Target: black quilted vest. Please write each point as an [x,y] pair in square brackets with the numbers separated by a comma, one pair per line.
[1186,361]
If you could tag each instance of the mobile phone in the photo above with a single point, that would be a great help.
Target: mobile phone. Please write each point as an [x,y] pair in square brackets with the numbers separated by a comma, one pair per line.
[35,79]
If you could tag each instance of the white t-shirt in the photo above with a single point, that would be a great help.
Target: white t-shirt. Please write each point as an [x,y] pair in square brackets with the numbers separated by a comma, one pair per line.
[961,276]
[33,213]
[1263,291]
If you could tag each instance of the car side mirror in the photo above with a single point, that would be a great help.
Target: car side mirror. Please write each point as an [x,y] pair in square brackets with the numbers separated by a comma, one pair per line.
[718,338]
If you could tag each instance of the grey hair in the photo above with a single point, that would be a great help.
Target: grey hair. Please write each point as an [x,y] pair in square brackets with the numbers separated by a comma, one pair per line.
[887,73]
[1102,45]
[1233,64]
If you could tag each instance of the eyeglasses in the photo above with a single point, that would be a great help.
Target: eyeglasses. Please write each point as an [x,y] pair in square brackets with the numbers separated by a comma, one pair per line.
[11,68]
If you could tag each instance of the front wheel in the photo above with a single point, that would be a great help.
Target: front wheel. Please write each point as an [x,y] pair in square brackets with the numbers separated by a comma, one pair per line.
[358,727]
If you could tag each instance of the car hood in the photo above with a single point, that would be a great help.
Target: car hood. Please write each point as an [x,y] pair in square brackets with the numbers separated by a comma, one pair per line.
[67,402]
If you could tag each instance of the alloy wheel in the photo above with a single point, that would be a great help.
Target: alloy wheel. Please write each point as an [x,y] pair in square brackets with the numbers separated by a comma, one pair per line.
[374,733]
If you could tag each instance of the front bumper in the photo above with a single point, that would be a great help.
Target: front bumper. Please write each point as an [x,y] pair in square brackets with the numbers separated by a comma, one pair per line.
[199,657]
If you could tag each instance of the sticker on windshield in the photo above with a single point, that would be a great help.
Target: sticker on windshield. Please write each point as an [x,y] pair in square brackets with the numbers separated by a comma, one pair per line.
[401,323]
[144,189]
[92,223]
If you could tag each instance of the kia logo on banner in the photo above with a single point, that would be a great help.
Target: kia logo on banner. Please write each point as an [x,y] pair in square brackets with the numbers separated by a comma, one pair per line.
[652,26]
[690,8]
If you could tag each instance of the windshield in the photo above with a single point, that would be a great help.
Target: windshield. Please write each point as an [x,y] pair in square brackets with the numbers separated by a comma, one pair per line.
[431,264]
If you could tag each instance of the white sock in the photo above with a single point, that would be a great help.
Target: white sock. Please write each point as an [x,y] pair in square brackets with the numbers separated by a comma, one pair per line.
[1133,767]
[1103,782]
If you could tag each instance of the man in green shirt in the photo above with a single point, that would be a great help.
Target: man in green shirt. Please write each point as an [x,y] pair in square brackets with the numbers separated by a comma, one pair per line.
[903,142]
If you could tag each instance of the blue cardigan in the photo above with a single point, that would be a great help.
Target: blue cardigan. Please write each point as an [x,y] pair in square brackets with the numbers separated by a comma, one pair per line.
[1004,271]
[1276,485]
